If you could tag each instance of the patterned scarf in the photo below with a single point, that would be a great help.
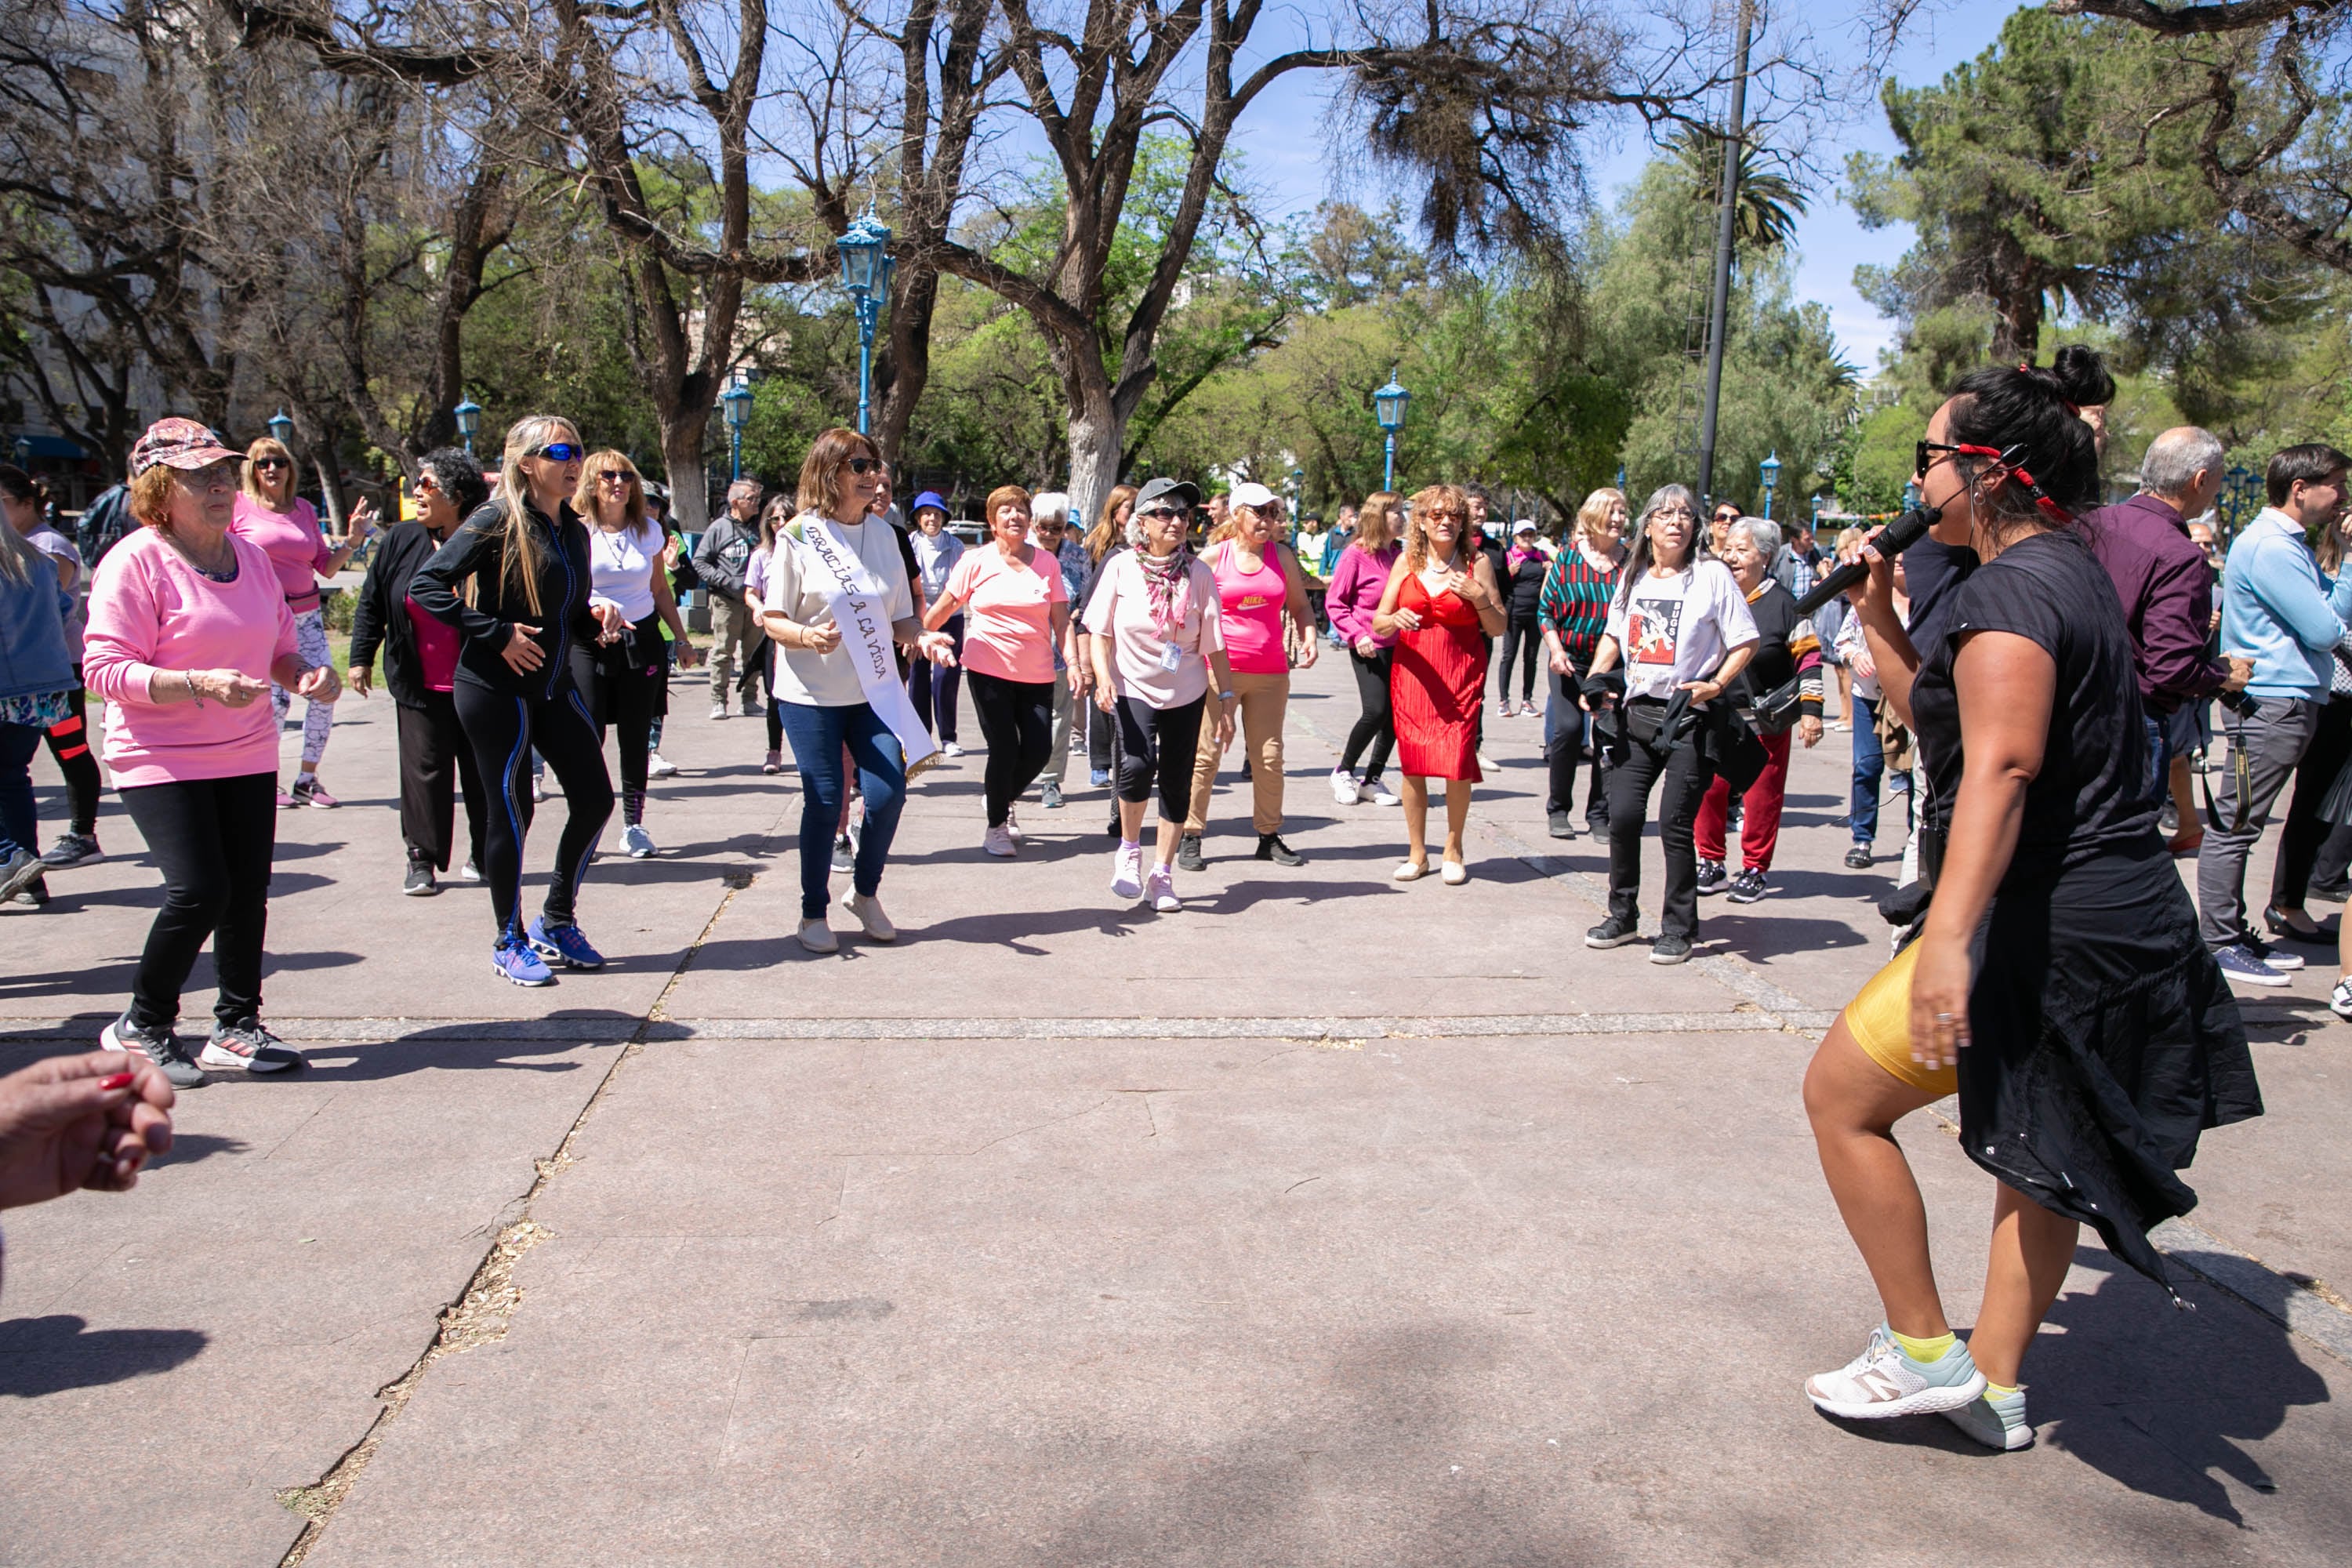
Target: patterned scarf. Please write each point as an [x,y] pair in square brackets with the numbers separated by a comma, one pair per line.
[1167,580]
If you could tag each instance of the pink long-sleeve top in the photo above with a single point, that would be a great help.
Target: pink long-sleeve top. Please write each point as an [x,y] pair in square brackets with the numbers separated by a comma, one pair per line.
[149,610]
[1356,583]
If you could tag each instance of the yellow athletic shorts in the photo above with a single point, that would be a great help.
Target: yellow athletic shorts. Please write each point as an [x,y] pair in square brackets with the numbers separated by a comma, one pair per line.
[1879,1019]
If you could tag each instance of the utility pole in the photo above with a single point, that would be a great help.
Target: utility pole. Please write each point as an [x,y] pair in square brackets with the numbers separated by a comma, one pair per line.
[1718,321]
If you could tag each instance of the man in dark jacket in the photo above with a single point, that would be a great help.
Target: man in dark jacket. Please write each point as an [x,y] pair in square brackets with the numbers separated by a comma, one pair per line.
[418,673]
[720,560]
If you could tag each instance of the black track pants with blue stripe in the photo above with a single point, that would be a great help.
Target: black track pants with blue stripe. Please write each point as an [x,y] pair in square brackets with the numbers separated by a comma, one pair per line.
[503,727]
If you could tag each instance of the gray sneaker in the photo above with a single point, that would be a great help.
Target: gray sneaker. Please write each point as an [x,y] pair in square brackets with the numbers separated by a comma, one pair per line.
[21,870]
[1996,1423]
[73,849]
[246,1047]
[158,1045]
[2241,967]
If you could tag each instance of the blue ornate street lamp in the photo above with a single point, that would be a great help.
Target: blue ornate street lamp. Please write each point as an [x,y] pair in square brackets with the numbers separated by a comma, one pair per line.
[1770,470]
[866,268]
[468,415]
[737,401]
[1387,407]
[282,429]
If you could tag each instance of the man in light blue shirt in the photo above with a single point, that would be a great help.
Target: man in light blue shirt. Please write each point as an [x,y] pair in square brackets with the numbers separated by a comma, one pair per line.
[2278,610]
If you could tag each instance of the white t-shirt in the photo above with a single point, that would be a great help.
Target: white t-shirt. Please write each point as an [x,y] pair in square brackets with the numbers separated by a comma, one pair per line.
[1670,630]
[621,567]
[797,589]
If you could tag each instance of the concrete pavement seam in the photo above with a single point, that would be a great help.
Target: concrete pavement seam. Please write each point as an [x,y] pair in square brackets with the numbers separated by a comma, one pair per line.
[2295,1302]
[485,1305]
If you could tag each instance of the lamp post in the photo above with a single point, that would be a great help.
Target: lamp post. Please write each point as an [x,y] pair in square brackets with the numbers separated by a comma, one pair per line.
[737,401]
[468,415]
[281,430]
[866,268]
[1387,407]
[1910,496]
[1296,488]
[1770,470]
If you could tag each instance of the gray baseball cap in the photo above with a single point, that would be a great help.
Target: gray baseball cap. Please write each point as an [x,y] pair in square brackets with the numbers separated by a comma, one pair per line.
[1182,493]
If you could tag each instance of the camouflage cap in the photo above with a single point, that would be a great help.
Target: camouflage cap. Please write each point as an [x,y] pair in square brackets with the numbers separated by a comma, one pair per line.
[179,444]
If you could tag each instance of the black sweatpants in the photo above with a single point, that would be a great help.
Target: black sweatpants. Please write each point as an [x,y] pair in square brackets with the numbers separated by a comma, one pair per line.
[1155,745]
[1016,719]
[1375,728]
[1686,775]
[213,839]
[69,741]
[1564,752]
[626,687]
[502,728]
[435,766]
[1521,633]
[2303,834]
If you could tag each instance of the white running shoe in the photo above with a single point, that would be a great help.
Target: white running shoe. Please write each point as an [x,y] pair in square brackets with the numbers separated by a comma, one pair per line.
[1883,1381]
[1344,787]
[1996,1422]
[469,872]
[1127,873]
[1013,825]
[998,841]
[817,937]
[1383,795]
[951,750]
[638,841]
[657,766]
[718,711]
[1160,887]
[866,911]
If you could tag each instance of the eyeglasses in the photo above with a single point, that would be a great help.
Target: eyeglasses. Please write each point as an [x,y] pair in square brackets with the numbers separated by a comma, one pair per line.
[268,463]
[615,477]
[863,466]
[1672,511]
[558,452]
[2013,459]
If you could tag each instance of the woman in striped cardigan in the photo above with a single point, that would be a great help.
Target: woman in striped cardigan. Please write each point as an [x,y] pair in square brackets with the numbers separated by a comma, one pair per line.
[1571,611]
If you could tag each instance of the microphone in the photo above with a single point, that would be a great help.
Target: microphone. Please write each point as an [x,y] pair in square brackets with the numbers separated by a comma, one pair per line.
[1897,537]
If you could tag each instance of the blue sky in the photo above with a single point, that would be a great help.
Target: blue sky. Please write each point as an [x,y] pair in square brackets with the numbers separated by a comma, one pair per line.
[1283,140]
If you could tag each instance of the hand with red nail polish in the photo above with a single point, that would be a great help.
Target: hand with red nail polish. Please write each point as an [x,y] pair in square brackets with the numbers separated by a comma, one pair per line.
[80,1122]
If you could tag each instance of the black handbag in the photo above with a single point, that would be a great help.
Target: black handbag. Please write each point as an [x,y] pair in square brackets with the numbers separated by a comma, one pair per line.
[1776,713]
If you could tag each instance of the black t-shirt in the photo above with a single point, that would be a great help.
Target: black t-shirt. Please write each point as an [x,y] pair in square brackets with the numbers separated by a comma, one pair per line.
[2087,798]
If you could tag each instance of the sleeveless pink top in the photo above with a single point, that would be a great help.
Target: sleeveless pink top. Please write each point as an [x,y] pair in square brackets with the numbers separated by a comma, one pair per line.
[1253,610]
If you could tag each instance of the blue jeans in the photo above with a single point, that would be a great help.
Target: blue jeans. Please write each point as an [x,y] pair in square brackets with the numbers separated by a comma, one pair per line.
[816,736]
[2158,784]
[1869,772]
[19,827]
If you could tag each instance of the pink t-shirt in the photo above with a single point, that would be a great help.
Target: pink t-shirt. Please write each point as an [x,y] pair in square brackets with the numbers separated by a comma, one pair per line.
[1008,609]
[1253,609]
[149,610]
[297,552]
[436,648]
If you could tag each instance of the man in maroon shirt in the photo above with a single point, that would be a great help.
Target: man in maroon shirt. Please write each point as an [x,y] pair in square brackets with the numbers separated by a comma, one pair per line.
[2166,584]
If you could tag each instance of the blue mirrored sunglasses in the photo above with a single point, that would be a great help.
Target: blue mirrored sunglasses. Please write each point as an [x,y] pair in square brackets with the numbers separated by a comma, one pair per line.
[560,452]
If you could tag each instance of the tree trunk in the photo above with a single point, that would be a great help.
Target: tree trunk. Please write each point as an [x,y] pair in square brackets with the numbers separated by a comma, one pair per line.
[1098,438]
[690,485]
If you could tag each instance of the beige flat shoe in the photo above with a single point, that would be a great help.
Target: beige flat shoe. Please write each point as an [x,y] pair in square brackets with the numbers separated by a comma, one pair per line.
[817,937]
[1453,873]
[868,913]
[1411,871]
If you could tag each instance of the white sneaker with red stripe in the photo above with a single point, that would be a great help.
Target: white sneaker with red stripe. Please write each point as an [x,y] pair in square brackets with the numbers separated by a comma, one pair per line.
[1883,1381]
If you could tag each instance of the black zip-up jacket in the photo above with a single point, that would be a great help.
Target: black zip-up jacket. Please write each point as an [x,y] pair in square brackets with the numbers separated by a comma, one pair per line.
[562,618]
[380,617]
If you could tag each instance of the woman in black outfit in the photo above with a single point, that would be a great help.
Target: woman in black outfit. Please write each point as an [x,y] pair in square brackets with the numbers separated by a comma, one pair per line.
[515,580]
[2059,983]
[436,762]
[1522,581]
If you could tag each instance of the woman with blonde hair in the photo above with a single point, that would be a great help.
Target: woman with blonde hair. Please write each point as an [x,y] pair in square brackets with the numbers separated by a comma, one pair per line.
[287,529]
[1443,608]
[836,682]
[1358,581]
[623,674]
[515,579]
[1572,612]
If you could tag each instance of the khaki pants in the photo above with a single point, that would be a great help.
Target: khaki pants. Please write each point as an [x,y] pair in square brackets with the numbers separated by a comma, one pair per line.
[736,631]
[1263,700]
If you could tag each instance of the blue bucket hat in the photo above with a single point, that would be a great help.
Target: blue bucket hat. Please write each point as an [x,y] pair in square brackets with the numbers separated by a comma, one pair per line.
[932,499]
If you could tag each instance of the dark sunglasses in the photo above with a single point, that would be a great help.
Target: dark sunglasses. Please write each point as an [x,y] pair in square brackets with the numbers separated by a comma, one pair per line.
[559,452]
[271,463]
[615,474]
[863,466]
[2011,458]
[1159,513]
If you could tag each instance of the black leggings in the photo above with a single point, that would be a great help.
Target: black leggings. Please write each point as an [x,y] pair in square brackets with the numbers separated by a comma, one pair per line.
[1016,719]
[1157,743]
[213,839]
[503,727]
[69,741]
[1375,732]
[1521,632]
[934,689]
[435,766]
[628,694]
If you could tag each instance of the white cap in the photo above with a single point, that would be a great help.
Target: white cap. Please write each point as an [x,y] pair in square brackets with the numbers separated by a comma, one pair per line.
[1250,494]
[1526,525]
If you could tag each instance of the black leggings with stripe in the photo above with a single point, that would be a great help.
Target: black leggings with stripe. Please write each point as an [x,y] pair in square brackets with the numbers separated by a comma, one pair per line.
[70,744]
[503,728]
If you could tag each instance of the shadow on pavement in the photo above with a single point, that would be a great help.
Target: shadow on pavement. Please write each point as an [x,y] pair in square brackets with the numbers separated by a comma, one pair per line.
[49,1355]
[114,979]
[470,1046]
[187,1148]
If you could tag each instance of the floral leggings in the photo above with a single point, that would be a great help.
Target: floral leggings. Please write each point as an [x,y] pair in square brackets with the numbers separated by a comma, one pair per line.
[311,642]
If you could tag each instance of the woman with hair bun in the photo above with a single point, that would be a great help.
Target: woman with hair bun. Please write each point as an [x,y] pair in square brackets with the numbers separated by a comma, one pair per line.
[515,580]
[2058,984]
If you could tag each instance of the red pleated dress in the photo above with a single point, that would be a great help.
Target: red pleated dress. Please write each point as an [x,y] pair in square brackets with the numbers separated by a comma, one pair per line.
[1435,684]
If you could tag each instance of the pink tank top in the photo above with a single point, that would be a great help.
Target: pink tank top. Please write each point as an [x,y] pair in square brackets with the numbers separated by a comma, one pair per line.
[1253,611]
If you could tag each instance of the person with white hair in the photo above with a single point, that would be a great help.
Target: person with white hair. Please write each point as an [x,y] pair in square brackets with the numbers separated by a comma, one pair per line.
[1777,696]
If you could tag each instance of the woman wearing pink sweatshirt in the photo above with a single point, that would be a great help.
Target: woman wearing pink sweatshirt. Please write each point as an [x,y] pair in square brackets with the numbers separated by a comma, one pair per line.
[188,626]
[1358,581]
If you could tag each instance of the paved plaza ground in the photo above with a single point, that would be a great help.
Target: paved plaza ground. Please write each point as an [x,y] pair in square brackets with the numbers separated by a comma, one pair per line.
[1329,1222]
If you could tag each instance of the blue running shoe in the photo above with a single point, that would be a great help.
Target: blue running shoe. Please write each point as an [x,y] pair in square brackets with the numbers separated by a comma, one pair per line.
[565,944]
[513,959]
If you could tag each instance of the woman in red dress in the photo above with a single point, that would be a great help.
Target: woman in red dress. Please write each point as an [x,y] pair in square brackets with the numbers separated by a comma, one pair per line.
[1442,606]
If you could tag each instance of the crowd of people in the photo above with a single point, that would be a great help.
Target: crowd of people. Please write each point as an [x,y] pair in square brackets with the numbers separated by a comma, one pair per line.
[2036,679]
